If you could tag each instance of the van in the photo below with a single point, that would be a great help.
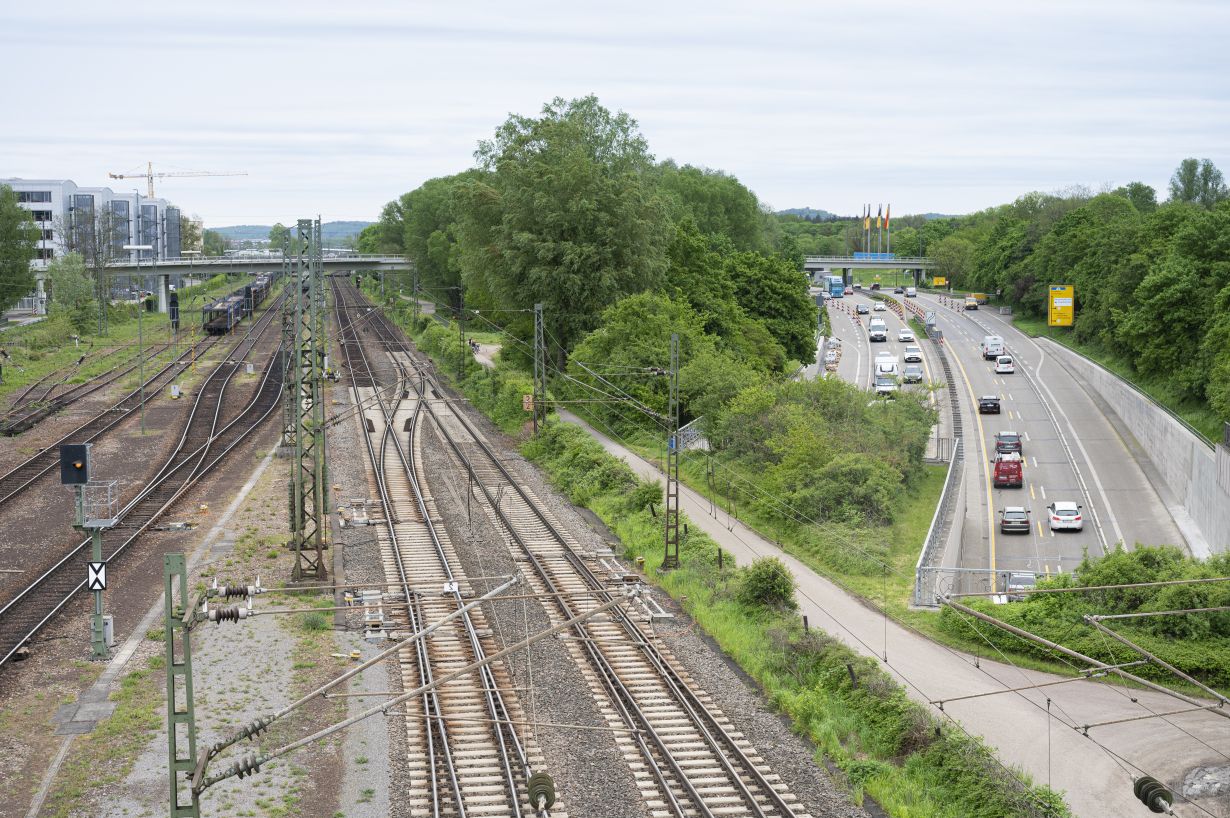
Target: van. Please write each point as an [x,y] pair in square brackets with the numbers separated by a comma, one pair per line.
[1008,472]
[911,292]
[992,347]
[877,330]
[971,303]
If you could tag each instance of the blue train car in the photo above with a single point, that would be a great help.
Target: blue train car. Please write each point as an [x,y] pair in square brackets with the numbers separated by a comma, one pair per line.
[221,316]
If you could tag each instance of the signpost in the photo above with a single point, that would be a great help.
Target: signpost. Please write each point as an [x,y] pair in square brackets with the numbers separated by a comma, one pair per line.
[939,281]
[1061,305]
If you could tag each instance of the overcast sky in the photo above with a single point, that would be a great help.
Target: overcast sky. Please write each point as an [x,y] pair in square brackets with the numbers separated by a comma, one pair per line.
[333,108]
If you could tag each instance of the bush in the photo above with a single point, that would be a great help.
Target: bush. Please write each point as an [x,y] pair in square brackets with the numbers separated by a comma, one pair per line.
[767,583]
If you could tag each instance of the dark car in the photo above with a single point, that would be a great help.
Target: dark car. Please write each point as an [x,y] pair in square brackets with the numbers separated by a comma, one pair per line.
[988,405]
[875,286]
[861,309]
[1014,520]
[1009,442]
[898,290]
[913,373]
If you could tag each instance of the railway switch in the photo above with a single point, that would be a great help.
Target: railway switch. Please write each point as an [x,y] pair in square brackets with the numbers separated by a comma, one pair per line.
[75,464]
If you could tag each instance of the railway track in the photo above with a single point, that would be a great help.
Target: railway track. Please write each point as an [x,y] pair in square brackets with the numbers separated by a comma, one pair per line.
[206,440]
[467,757]
[28,472]
[686,756]
[29,409]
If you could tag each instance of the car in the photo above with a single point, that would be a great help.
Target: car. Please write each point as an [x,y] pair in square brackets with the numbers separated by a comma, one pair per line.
[913,354]
[861,309]
[988,405]
[913,373]
[911,292]
[879,307]
[898,290]
[858,286]
[904,335]
[1006,442]
[849,291]
[1065,516]
[875,286]
[1014,520]
[1018,582]
[1004,365]
[971,303]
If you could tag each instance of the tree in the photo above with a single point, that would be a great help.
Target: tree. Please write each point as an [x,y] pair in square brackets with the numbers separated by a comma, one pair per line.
[953,257]
[213,243]
[98,235]
[775,291]
[1142,197]
[18,242]
[190,232]
[718,203]
[568,215]
[73,291]
[432,236]
[1198,182]
[279,236]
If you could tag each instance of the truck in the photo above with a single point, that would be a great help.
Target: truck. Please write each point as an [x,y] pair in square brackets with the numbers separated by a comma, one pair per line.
[835,285]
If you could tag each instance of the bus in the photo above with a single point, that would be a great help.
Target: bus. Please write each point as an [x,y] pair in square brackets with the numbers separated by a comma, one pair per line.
[836,286]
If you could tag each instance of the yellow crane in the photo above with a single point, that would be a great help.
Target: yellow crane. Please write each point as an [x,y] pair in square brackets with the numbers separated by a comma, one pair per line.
[149,175]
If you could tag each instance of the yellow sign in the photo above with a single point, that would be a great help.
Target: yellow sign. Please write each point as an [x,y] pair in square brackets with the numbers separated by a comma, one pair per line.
[1061,303]
[939,281]
[527,403]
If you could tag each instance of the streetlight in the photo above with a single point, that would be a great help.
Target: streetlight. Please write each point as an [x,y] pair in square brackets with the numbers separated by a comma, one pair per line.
[140,309]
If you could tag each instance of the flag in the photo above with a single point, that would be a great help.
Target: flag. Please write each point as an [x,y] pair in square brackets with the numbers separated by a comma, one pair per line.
[887,215]
[867,217]
[880,216]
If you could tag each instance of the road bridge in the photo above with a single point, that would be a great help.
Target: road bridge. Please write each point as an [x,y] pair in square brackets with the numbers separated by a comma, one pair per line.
[914,265]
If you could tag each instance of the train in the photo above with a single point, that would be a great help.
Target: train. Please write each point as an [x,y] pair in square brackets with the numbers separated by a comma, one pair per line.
[220,317]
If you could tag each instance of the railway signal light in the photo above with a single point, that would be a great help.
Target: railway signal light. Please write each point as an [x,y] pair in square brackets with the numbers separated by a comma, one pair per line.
[75,464]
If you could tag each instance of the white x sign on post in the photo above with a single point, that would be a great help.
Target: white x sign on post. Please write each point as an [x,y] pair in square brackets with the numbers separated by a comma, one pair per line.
[96,577]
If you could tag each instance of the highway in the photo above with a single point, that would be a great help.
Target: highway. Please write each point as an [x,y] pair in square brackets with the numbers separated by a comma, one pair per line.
[1072,450]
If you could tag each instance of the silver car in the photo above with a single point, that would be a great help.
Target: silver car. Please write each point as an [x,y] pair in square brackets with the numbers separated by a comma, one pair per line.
[913,373]
[1065,515]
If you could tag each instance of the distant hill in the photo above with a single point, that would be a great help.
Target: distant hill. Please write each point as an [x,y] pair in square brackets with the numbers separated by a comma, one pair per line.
[260,232]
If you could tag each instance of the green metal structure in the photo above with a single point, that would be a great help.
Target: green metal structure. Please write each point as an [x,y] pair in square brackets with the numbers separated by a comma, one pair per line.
[181,716]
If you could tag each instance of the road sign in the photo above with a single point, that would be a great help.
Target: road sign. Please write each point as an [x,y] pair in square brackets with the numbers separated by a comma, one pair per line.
[939,281]
[96,577]
[930,317]
[1061,303]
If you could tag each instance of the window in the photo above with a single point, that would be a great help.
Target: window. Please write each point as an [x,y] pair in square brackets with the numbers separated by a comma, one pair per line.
[46,253]
[47,234]
[40,215]
[34,195]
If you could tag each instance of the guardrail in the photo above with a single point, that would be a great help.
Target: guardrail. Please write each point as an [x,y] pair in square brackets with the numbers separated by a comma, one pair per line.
[932,543]
[896,260]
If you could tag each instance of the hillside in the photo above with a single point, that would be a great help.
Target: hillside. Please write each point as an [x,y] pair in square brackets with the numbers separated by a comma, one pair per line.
[808,213]
[259,232]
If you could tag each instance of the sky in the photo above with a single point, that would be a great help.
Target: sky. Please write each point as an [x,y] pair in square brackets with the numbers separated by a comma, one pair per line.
[334,108]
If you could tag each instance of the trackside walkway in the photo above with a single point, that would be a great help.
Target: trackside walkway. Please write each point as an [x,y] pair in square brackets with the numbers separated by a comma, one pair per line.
[1015,724]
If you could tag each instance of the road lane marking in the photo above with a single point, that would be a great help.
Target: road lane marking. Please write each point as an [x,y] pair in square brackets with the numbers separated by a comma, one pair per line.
[1042,489]
[1031,491]
[1039,522]
[982,445]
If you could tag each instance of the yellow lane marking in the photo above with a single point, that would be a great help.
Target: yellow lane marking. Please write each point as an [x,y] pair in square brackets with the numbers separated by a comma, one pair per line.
[1031,491]
[1039,522]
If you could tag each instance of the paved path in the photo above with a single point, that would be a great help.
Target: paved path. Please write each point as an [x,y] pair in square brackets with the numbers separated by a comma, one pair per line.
[1015,724]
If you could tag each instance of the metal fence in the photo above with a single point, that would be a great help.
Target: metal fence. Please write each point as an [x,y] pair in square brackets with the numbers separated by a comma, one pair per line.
[937,532]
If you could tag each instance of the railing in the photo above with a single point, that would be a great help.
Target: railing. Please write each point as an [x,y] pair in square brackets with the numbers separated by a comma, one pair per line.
[936,531]
[898,261]
[206,261]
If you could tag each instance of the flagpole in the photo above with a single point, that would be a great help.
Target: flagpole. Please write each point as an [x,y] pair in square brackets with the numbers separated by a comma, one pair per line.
[889,219]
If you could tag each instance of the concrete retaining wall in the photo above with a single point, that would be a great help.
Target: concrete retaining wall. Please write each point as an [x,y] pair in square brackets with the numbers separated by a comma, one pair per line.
[1197,476]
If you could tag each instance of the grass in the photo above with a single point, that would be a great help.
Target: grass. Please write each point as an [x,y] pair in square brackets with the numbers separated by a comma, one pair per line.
[1196,413]
[889,747]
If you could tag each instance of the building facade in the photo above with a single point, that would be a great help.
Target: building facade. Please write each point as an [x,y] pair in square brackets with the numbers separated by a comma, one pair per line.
[97,220]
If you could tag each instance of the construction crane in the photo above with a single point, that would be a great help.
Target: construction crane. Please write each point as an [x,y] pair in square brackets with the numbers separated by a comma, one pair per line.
[150,175]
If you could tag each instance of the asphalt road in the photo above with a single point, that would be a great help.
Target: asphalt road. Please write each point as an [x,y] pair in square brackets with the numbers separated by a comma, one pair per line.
[1071,451]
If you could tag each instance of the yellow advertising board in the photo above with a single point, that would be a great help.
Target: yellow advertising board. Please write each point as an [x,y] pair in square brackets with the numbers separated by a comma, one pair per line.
[939,281]
[1061,305]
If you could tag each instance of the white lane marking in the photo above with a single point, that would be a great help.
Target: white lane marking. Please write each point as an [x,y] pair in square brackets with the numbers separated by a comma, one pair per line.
[1041,488]
[1023,434]
[1009,398]
[1032,458]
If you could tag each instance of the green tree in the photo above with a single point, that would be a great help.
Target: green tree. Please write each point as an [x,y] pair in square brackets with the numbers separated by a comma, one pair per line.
[775,291]
[72,290]
[1142,196]
[1198,181]
[213,243]
[189,233]
[718,204]
[953,257]
[279,236]
[18,242]
[432,236]
[567,216]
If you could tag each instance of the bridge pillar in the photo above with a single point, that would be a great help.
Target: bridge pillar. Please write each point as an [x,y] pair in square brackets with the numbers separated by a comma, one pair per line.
[164,283]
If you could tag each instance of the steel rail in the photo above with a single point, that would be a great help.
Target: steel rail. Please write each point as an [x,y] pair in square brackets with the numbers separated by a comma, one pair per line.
[199,470]
[705,722]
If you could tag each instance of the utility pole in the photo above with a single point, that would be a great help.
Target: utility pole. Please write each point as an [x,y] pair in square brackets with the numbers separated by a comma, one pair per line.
[96,510]
[461,335]
[307,490]
[670,558]
[180,708]
[414,295]
[540,368]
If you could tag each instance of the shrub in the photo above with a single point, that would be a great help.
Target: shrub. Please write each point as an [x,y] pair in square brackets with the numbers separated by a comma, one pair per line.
[767,583]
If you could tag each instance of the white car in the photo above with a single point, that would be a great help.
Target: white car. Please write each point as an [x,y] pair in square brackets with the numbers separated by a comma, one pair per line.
[913,354]
[1004,365]
[879,307]
[904,335]
[1065,515]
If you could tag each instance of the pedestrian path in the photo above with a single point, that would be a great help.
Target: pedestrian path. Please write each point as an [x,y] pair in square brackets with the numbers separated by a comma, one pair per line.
[1015,724]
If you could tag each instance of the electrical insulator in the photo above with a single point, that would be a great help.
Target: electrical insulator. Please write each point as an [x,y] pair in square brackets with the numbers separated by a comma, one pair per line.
[231,613]
[1153,794]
